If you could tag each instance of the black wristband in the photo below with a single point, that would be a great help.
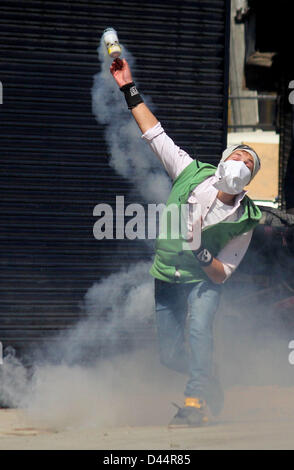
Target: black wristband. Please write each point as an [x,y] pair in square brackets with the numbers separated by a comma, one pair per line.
[203,256]
[132,95]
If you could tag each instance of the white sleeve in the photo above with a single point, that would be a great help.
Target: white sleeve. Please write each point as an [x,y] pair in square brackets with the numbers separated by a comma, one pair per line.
[233,253]
[173,158]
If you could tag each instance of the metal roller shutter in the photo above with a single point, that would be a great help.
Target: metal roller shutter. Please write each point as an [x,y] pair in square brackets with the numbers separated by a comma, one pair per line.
[54,160]
[285,121]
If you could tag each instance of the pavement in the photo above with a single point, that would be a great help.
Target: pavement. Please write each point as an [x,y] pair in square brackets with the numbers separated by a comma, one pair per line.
[259,418]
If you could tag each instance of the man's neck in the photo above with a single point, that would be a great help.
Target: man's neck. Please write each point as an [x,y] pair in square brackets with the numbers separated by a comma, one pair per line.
[226,198]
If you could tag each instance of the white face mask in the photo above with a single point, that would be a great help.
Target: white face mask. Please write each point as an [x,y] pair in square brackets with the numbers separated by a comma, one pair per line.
[232,176]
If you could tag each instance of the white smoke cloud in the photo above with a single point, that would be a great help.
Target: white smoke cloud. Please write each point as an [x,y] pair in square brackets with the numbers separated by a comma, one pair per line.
[70,386]
[61,391]
[131,284]
[130,156]
[13,380]
[116,306]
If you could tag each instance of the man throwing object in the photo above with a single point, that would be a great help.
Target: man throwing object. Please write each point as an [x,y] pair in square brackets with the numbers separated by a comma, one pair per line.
[188,275]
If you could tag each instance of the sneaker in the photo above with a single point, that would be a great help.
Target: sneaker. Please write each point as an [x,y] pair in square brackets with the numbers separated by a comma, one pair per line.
[193,414]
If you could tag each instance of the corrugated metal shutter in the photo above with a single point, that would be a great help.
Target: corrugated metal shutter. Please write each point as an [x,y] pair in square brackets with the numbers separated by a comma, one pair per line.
[54,160]
[286,134]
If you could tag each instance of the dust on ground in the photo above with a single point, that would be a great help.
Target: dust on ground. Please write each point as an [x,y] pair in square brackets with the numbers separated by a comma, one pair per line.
[252,418]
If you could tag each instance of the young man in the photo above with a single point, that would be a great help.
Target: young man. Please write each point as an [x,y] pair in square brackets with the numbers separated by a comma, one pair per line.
[189,279]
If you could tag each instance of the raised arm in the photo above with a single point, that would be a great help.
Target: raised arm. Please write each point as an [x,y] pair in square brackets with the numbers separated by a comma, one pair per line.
[121,73]
[173,158]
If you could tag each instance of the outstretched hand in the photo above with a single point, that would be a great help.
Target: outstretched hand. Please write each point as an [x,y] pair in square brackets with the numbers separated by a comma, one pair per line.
[121,72]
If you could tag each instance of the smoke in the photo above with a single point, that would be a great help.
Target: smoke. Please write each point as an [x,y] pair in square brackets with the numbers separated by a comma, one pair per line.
[100,372]
[87,374]
[114,310]
[130,156]
[13,380]
[252,348]
[105,371]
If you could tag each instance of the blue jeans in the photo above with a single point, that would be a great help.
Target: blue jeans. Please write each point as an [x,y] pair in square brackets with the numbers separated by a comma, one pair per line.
[173,302]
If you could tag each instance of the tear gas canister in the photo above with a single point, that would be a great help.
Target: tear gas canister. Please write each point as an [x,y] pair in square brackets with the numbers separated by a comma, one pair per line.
[111,42]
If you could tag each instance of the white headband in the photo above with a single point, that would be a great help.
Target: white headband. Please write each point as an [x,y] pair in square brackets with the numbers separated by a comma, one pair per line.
[228,151]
